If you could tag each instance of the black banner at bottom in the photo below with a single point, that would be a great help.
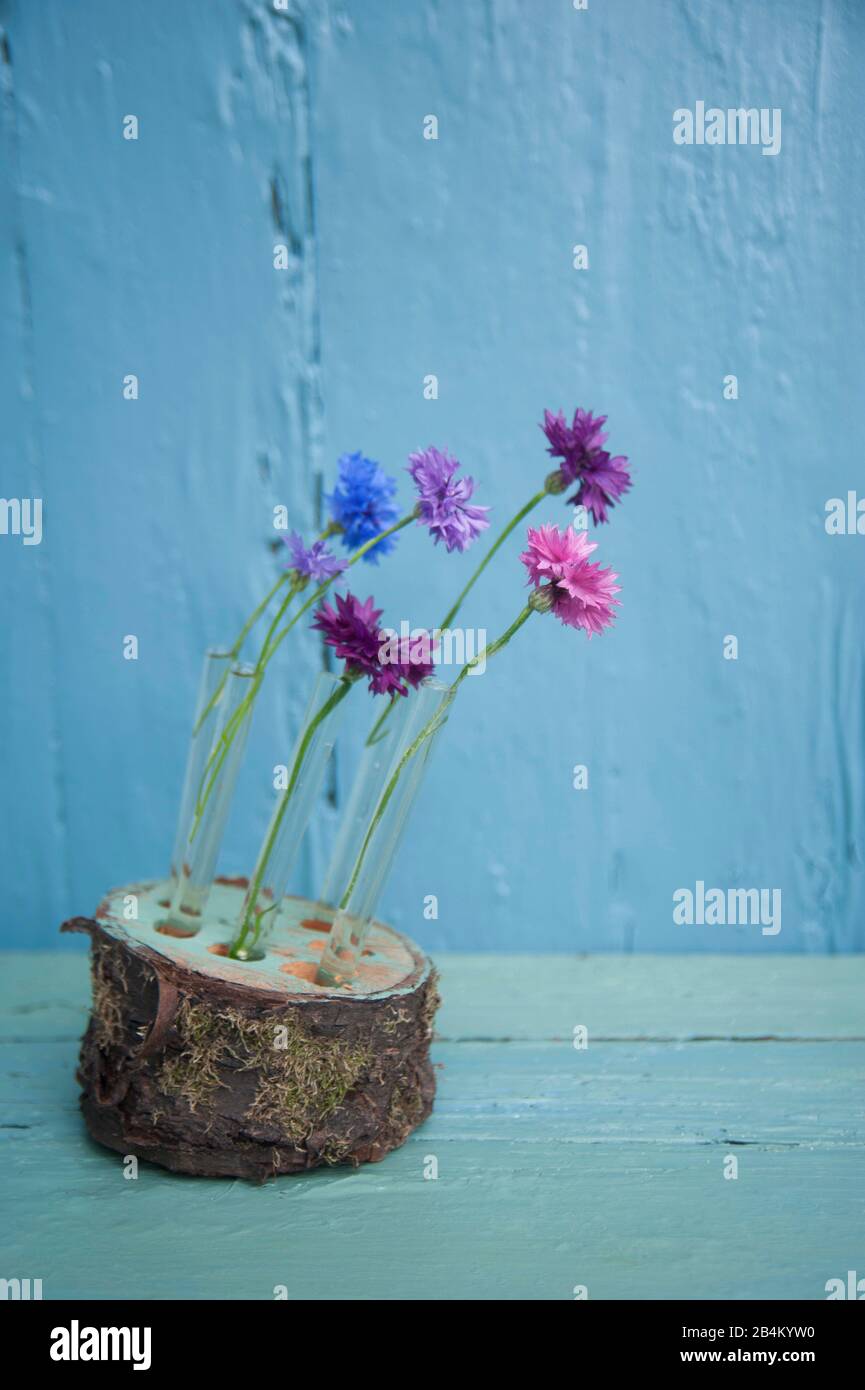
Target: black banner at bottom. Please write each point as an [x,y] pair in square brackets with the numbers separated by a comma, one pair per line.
[221,1338]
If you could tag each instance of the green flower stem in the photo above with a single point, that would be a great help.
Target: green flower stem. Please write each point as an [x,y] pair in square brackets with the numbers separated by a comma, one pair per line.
[376,732]
[496,646]
[272,643]
[217,758]
[497,543]
[219,753]
[256,614]
[234,649]
[426,732]
[295,589]
[252,919]
[268,649]
[330,530]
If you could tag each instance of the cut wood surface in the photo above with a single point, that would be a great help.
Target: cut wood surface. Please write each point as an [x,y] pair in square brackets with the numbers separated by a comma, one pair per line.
[556,1166]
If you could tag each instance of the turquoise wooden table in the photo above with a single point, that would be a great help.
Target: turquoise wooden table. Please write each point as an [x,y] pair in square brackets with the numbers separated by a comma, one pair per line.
[557,1166]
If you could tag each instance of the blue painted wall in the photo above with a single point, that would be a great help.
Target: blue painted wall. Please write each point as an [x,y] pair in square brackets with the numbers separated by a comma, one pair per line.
[453,257]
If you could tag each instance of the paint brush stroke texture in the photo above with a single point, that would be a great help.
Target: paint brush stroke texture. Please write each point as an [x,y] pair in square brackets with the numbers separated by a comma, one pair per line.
[407,257]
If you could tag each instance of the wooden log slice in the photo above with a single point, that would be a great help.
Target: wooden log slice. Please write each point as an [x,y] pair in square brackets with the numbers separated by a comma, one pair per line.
[223,1069]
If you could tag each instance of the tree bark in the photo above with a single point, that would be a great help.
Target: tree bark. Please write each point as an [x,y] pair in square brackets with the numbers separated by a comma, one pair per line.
[211,1077]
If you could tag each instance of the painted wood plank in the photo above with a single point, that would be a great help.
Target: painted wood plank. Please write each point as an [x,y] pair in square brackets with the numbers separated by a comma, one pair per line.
[44,994]
[724,1094]
[633,996]
[486,996]
[556,1167]
[517,1211]
[803,1094]
[504,1222]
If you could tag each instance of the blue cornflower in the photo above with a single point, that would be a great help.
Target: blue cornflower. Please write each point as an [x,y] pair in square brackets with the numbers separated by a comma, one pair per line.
[361,504]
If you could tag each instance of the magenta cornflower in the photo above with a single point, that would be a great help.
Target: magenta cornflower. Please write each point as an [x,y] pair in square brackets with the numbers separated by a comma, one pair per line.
[444,504]
[580,446]
[352,629]
[579,591]
[316,562]
[411,654]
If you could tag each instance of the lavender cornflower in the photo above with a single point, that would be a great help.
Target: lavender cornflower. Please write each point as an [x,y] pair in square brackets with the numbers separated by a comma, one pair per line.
[443,504]
[316,562]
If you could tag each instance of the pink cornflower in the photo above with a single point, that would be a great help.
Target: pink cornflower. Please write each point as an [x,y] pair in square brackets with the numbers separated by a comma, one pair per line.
[579,592]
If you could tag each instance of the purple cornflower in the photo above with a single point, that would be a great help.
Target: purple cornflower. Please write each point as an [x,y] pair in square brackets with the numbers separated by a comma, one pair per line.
[361,504]
[580,447]
[315,562]
[443,503]
[352,629]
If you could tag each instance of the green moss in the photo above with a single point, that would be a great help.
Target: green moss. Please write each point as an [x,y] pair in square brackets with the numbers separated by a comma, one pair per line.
[193,1073]
[404,1112]
[336,1151]
[302,1078]
[108,1004]
[431,1002]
